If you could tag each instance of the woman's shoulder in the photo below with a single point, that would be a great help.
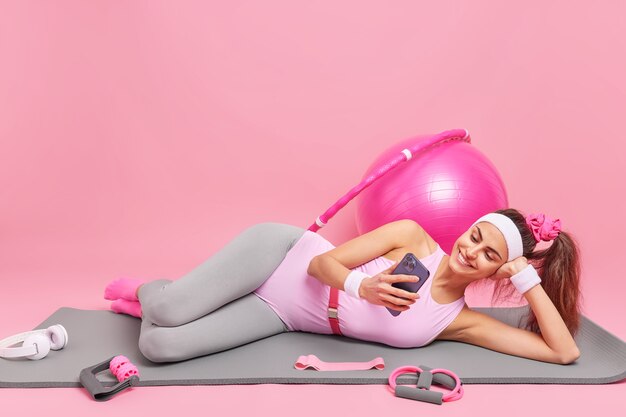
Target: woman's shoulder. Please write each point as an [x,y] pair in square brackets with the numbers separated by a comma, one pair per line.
[431,243]
[467,320]
[424,243]
[419,243]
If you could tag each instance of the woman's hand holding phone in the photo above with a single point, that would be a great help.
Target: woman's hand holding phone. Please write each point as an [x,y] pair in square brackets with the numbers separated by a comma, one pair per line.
[379,290]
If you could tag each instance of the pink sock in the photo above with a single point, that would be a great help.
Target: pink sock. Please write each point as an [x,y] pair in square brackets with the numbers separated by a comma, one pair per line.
[125,288]
[132,308]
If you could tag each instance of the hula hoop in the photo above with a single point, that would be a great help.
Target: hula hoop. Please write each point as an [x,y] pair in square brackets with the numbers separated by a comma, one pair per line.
[404,156]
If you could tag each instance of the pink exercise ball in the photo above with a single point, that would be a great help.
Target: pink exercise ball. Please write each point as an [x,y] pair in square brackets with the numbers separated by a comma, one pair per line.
[444,188]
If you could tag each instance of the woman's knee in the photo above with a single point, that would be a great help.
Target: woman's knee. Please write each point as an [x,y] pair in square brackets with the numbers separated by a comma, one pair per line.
[157,346]
[159,305]
[162,312]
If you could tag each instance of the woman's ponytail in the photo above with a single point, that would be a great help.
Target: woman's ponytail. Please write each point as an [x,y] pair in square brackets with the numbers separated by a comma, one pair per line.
[559,269]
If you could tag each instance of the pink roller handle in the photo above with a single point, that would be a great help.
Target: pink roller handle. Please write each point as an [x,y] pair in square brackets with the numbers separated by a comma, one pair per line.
[448,135]
[122,368]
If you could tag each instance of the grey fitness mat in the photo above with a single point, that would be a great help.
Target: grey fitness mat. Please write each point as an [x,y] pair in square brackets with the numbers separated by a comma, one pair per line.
[95,336]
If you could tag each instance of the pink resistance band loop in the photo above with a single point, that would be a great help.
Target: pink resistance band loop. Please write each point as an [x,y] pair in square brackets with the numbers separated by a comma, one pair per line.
[399,159]
[455,394]
[312,361]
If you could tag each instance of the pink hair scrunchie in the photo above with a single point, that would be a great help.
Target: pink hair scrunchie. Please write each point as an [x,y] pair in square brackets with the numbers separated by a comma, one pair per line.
[543,227]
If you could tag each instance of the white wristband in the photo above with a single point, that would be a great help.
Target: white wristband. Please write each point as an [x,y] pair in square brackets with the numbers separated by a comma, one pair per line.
[353,282]
[525,279]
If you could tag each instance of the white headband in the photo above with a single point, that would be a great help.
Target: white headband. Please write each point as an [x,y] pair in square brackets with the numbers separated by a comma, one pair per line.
[509,230]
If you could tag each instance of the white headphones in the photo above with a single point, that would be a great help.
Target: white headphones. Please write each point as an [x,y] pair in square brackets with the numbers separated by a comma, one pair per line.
[35,344]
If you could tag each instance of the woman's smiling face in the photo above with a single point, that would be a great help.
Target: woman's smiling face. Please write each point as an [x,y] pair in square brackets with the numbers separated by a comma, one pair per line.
[480,251]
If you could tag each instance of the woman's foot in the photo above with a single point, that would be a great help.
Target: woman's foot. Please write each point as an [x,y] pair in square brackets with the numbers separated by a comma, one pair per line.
[132,308]
[124,288]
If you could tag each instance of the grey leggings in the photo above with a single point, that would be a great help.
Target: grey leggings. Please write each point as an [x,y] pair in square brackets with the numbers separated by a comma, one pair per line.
[212,308]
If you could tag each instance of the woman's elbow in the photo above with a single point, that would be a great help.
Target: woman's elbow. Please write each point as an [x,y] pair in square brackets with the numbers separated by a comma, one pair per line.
[312,266]
[570,357]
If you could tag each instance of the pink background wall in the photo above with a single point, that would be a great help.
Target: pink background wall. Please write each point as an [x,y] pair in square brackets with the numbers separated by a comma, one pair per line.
[138,137]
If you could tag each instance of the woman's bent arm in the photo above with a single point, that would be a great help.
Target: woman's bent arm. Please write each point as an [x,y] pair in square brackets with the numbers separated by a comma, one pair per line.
[333,267]
[553,328]
[329,271]
[555,344]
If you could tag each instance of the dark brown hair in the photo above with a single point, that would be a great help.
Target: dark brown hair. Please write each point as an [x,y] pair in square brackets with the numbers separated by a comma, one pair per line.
[559,269]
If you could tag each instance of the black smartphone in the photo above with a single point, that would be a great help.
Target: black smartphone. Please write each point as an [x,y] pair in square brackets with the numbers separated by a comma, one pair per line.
[409,265]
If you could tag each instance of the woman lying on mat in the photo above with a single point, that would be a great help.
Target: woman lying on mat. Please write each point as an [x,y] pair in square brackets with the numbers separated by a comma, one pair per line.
[275,277]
